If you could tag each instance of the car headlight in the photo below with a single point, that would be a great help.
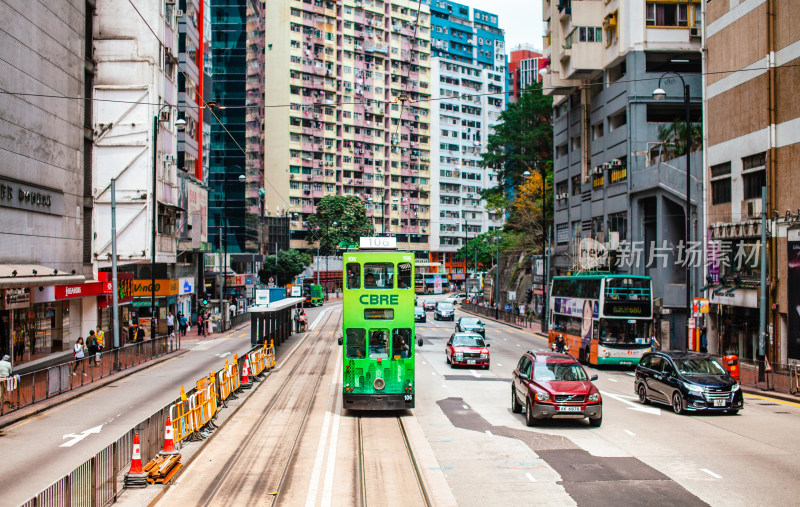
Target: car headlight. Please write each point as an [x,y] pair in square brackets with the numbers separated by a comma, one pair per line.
[692,387]
[735,387]
[594,397]
[459,355]
[542,396]
[484,356]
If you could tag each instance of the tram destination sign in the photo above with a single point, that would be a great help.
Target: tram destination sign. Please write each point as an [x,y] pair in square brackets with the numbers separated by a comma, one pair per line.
[378,314]
[627,308]
[378,243]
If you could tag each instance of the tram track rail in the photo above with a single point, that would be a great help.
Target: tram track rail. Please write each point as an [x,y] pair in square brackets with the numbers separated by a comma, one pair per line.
[413,467]
[244,449]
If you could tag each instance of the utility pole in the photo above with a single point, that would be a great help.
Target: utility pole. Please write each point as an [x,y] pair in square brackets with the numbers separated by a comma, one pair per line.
[153,309]
[497,275]
[762,318]
[114,280]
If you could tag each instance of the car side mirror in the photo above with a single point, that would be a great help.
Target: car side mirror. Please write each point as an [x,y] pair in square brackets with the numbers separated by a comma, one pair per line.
[419,342]
[593,378]
[522,376]
[340,340]
[488,344]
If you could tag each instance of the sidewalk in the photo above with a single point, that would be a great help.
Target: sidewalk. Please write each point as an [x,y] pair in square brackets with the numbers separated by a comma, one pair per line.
[44,405]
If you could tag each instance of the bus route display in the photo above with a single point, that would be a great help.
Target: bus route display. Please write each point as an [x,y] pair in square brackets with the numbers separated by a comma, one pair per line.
[378,314]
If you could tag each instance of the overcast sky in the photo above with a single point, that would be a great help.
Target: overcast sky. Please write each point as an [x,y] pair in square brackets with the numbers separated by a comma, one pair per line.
[521,19]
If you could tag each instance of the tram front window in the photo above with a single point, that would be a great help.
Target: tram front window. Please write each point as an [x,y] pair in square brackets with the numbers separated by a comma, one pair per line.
[378,275]
[356,343]
[353,276]
[378,344]
[401,343]
[404,275]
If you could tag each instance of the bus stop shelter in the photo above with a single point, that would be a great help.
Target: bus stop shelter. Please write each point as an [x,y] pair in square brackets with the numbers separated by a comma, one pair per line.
[272,321]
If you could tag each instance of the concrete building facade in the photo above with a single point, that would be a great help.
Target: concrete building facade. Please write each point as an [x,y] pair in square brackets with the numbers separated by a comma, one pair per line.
[752,142]
[524,64]
[615,181]
[354,78]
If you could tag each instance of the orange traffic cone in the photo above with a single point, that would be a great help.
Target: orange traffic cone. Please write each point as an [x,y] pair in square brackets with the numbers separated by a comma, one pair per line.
[169,441]
[136,476]
[245,383]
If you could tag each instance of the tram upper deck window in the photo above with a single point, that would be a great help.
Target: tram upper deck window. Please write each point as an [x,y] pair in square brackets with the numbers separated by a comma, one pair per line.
[378,275]
[401,343]
[356,343]
[404,275]
[353,276]
[379,344]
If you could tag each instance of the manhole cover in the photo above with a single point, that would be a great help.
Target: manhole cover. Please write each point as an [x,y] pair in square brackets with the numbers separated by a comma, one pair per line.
[587,466]
[782,412]
[768,404]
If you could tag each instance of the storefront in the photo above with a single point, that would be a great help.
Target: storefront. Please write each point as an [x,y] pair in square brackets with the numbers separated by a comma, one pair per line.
[186,290]
[734,323]
[166,292]
[105,304]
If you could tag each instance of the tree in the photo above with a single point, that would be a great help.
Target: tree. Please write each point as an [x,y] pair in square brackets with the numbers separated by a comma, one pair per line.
[290,264]
[483,245]
[525,217]
[349,215]
[521,141]
[674,137]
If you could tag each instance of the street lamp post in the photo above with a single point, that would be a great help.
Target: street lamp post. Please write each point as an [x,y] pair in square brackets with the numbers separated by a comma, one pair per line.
[660,94]
[497,275]
[154,312]
[222,312]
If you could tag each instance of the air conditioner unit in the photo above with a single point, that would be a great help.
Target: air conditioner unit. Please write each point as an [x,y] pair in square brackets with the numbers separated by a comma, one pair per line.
[597,170]
[752,208]
[616,163]
[613,240]
[695,32]
[606,165]
[179,13]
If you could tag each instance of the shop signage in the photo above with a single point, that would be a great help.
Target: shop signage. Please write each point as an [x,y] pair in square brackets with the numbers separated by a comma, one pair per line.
[14,194]
[83,290]
[186,285]
[141,303]
[262,297]
[142,288]
[793,293]
[17,298]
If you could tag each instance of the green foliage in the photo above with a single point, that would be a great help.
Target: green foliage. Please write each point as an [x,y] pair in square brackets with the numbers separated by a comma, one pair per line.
[674,136]
[486,246]
[350,217]
[290,264]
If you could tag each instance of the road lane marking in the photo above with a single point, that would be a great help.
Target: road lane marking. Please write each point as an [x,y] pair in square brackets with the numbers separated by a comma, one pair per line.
[633,406]
[530,477]
[613,379]
[518,345]
[74,439]
[489,433]
[630,373]
[629,432]
[311,498]
[498,364]
[316,321]
[774,400]
[465,407]
[242,335]
[712,474]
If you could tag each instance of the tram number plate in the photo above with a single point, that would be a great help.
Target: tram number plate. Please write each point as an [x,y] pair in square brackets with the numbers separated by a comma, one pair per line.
[719,403]
[409,397]
[625,363]
[470,361]
[569,409]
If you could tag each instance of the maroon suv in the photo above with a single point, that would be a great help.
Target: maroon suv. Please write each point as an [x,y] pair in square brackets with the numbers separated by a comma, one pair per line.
[551,385]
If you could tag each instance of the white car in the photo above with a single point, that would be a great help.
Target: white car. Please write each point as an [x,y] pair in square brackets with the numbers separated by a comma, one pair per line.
[457,299]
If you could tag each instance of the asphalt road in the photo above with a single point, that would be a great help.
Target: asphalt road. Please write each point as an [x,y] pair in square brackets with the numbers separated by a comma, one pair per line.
[643,455]
[39,450]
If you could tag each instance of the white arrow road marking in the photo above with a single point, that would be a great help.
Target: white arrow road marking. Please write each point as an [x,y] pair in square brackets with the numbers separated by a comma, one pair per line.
[633,406]
[712,474]
[530,477]
[223,355]
[629,432]
[475,373]
[613,379]
[77,438]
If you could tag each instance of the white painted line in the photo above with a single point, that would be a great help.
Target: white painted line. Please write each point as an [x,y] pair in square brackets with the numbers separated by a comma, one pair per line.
[314,324]
[316,472]
[629,432]
[498,364]
[630,373]
[423,362]
[505,339]
[613,379]
[633,406]
[518,345]
[489,433]
[530,477]
[712,474]
[433,373]
[74,439]
[443,385]
[327,489]
[465,407]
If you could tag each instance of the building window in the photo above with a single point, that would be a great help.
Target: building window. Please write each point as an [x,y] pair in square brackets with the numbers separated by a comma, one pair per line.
[666,14]
[752,182]
[618,222]
[721,183]
[562,233]
[757,161]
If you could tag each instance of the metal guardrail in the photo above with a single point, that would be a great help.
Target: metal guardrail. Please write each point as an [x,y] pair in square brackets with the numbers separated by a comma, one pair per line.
[99,480]
[501,315]
[36,386]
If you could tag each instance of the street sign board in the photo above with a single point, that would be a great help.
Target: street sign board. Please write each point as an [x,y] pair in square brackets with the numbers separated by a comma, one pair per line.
[262,297]
[437,284]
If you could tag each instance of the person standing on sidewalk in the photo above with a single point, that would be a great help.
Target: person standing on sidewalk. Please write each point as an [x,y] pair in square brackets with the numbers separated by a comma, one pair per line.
[182,323]
[91,343]
[79,351]
[170,323]
[101,339]
[19,342]
[5,366]
[199,323]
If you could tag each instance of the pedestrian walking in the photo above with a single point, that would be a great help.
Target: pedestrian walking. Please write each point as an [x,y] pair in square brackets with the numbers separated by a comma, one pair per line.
[101,339]
[199,324]
[182,323]
[19,342]
[91,343]
[703,340]
[79,352]
[139,334]
[170,323]
[654,345]
[297,321]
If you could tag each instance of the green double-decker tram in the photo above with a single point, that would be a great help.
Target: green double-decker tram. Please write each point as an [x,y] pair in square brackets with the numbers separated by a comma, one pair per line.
[378,327]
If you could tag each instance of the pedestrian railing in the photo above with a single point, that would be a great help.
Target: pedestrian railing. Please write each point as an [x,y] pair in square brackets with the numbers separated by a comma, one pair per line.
[36,386]
[99,480]
[500,315]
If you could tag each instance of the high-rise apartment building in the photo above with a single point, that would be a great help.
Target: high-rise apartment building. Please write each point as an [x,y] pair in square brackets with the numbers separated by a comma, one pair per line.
[753,141]
[352,80]
[468,76]
[524,64]
[615,180]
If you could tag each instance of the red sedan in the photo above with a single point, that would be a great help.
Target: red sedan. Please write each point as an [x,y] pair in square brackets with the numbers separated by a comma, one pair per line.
[468,349]
[549,385]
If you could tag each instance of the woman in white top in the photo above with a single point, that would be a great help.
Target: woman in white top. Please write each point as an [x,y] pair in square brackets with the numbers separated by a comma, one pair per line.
[79,351]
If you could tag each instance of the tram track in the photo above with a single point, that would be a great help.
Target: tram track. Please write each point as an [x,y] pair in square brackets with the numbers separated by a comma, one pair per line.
[384,478]
[253,471]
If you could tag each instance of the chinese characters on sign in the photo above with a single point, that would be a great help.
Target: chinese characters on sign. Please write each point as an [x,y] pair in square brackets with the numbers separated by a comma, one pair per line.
[721,254]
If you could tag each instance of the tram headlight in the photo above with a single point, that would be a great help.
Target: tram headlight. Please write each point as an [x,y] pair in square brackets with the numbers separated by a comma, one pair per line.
[379,384]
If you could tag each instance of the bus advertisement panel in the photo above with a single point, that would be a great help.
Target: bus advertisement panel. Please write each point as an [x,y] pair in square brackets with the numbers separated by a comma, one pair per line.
[605,319]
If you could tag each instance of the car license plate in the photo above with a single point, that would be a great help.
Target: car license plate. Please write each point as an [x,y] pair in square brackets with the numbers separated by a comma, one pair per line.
[625,363]
[569,409]
[470,361]
[719,403]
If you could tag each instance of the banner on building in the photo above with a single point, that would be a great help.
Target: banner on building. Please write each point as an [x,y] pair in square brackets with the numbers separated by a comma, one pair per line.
[793,293]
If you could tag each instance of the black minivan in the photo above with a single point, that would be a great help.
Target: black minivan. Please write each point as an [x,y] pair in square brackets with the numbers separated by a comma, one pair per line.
[687,381]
